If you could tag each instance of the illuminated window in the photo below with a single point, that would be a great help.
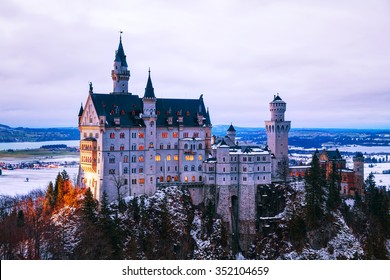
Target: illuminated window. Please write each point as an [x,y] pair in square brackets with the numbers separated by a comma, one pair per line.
[158,158]
[200,157]
[189,157]
[176,157]
[141,158]
[142,180]
[141,170]
[185,178]
[151,145]
[141,135]
[196,134]
[193,178]
[141,147]
[122,147]
[185,134]
[112,135]
[175,134]
[164,135]
[168,157]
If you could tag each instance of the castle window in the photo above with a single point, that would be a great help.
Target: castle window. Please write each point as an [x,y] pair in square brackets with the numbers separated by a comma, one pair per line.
[196,134]
[134,170]
[200,178]
[175,134]
[186,146]
[122,147]
[133,158]
[185,167]
[211,168]
[263,168]
[134,181]
[125,182]
[185,134]
[96,135]
[176,157]
[264,158]
[264,178]
[141,170]
[141,135]
[176,178]
[151,145]
[112,148]
[164,134]
[126,159]
[200,168]
[224,169]
[244,179]
[161,179]
[200,157]
[168,168]
[161,146]
[168,146]
[112,135]
[141,147]
[200,146]
[244,169]
[224,179]
[189,157]
[125,170]
[122,135]
[244,158]
[111,171]
[111,160]
[193,178]
[185,178]
[142,180]
[193,168]
[158,158]
[141,158]
[250,159]
[133,135]
[168,157]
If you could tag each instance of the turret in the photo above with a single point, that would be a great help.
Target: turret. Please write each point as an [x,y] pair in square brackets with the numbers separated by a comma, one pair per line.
[120,75]
[358,167]
[231,133]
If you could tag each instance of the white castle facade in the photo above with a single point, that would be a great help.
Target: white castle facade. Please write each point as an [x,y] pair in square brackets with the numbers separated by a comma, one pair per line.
[133,145]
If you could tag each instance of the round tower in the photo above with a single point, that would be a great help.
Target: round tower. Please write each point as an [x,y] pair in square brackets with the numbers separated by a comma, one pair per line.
[277,132]
[358,168]
[231,133]
[120,75]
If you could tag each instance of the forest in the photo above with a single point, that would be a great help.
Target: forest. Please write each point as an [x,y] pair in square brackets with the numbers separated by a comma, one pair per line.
[65,222]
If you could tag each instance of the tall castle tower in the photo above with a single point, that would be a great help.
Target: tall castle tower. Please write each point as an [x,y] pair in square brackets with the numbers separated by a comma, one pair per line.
[277,132]
[358,167]
[149,117]
[120,75]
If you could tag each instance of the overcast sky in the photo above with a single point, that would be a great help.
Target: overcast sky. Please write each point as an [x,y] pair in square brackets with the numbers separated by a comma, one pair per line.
[329,60]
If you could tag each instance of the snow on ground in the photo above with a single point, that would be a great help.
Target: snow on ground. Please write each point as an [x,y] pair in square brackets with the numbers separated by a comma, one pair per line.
[13,182]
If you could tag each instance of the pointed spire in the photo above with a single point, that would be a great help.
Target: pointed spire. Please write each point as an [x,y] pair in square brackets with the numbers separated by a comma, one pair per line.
[231,128]
[81,110]
[149,90]
[120,53]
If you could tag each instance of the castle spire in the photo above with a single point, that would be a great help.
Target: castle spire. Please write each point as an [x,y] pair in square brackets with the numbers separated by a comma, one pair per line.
[120,75]
[149,90]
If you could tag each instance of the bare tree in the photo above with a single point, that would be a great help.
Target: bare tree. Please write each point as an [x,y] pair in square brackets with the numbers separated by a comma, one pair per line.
[119,182]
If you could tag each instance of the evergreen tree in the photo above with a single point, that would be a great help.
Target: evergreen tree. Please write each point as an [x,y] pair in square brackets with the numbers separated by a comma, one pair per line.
[50,197]
[334,200]
[314,185]
[59,190]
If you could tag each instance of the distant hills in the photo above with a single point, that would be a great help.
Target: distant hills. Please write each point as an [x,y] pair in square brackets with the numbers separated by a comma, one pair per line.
[24,134]
[298,137]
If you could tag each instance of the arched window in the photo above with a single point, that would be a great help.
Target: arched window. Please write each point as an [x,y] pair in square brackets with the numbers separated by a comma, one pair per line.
[112,135]
[186,146]
[111,159]
[200,146]
[122,147]
[122,135]
[125,170]
[112,148]
[193,178]
[193,168]
[126,159]
[200,168]
[200,178]
[185,167]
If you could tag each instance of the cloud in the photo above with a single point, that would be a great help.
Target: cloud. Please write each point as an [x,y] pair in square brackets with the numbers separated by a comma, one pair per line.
[327,59]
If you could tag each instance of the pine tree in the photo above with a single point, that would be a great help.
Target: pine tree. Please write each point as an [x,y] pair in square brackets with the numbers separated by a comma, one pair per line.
[333,200]
[314,184]
[59,190]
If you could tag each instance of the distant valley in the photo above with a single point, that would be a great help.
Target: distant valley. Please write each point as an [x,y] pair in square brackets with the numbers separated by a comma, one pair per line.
[298,137]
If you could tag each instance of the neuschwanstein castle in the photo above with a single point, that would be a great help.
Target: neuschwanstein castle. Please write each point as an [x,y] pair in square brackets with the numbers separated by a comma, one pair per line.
[132,145]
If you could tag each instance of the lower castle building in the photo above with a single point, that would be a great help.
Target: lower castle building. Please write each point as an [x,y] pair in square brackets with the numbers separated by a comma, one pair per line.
[132,145]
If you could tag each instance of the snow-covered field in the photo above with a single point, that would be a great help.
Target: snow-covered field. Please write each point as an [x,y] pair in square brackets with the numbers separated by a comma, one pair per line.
[14,182]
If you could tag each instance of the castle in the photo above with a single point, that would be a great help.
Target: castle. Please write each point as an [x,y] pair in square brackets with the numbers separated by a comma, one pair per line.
[132,145]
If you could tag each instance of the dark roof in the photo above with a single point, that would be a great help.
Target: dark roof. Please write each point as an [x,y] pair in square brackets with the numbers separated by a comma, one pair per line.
[277,98]
[149,90]
[333,155]
[81,110]
[128,108]
[231,128]
[120,54]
